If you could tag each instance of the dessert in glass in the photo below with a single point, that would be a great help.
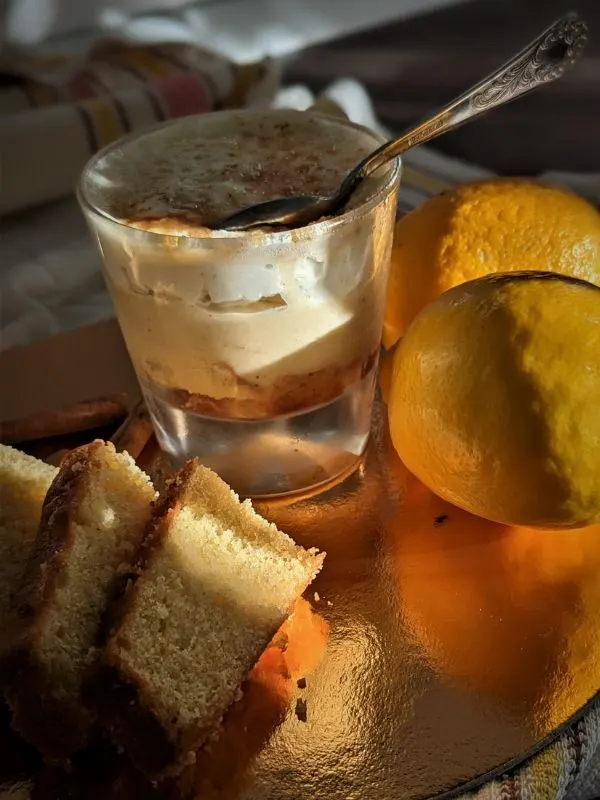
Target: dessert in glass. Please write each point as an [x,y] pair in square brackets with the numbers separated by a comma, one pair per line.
[256,351]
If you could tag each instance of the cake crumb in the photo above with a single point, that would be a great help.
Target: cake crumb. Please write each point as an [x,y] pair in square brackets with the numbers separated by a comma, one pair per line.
[317,597]
[329,603]
[301,683]
[301,709]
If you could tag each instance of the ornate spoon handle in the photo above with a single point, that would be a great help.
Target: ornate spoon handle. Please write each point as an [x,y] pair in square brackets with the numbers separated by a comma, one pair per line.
[542,61]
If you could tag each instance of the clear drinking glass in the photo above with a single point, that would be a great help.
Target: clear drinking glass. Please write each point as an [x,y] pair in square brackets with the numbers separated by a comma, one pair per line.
[256,352]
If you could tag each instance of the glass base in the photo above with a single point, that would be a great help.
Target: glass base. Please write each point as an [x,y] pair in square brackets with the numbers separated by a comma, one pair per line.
[277,456]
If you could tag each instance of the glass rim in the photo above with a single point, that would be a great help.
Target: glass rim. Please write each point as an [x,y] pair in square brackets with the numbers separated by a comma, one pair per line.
[313,230]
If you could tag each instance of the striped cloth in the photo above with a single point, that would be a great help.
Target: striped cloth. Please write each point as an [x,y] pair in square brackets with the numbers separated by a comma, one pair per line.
[569,769]
[56,111]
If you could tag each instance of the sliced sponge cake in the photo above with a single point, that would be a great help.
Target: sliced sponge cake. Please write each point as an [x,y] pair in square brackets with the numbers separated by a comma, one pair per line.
[24,482]
[215,581]
[93,521]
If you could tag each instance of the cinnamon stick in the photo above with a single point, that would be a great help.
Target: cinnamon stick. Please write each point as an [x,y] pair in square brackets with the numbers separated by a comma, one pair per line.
[135,432]
[82,416]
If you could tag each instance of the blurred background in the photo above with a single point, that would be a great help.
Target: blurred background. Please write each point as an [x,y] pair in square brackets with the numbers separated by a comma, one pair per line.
[410,55]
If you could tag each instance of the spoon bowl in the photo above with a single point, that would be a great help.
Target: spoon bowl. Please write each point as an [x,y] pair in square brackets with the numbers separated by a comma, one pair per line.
[288,212]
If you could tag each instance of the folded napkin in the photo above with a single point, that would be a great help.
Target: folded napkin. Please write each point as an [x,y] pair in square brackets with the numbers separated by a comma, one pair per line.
[56,111]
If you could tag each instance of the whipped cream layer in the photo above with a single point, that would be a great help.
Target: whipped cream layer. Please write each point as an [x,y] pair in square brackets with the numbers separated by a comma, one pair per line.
[199,315]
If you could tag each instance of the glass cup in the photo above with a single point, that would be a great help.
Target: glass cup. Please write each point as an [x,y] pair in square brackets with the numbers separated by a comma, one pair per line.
[256,352]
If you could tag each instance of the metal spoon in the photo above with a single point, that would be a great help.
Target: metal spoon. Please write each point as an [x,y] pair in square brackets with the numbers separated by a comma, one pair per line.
[542,61]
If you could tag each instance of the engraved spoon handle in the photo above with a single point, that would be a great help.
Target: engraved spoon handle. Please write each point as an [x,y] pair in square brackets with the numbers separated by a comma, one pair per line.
[542,61]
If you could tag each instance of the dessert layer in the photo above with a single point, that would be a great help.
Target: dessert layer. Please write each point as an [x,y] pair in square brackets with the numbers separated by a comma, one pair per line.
[244,400]
[200,169]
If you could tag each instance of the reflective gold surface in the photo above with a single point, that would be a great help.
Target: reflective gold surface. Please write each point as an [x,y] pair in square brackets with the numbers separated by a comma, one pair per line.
[439,647]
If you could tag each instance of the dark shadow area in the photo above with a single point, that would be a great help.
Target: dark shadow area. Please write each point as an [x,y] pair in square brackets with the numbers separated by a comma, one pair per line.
[413,66]
[18,761]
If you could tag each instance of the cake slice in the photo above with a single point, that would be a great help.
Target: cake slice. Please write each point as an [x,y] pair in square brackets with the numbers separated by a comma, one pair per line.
[93,520]
[24,481]
[214,583]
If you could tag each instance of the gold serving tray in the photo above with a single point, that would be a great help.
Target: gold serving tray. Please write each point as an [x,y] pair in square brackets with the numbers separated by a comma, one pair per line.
[440,650]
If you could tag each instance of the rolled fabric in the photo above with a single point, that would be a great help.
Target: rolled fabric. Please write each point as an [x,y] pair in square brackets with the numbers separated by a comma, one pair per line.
[44,150]
[50,127]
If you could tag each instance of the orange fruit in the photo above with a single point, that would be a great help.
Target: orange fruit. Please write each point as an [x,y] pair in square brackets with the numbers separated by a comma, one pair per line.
[494,399]
[502,225]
